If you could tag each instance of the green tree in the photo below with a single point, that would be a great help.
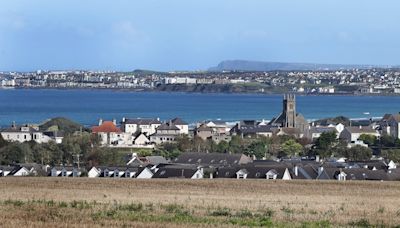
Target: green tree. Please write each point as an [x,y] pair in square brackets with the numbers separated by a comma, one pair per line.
[3,142]
[235,145]
[222,147]
[368,139]
[291,148]
[392,154]
[358,153]
[258,149]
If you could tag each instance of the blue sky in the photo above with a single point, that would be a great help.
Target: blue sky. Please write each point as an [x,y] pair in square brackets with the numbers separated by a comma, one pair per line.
[194,34]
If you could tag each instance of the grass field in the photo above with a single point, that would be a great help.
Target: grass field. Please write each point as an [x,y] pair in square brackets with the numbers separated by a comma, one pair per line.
[83,202]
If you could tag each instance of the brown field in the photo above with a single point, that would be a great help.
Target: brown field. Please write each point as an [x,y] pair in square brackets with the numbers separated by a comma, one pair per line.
[84,202]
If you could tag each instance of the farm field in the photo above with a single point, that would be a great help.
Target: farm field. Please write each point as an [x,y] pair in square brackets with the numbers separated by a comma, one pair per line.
[84,202]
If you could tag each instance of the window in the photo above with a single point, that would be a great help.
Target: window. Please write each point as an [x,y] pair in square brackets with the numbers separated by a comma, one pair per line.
[162,173]
[227,174]
[106,173]
[116,173]
[199,160]
[258,174]
[24,136]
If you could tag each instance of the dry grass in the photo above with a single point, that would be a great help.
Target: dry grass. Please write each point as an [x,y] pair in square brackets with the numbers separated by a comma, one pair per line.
[77,202]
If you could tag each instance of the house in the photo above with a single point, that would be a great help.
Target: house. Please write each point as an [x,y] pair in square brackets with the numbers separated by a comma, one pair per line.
[28,133]
[393,125]
[109,133]
[6,170]
[19,171]
[182,125]
[166,132]
[140,139]
[352,134]
[252,129]
[218,126]
[315,132]
[145,173]
[204,132]
[217,134]
[145,126]
[212,159]
[179,171]
[295,132]
[94,172]
[65,171]
[264,172]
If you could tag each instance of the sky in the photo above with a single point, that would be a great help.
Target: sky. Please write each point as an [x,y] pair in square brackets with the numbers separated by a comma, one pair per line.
[169,35]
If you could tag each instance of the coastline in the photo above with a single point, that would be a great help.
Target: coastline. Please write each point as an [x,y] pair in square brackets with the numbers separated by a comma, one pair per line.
[144,90]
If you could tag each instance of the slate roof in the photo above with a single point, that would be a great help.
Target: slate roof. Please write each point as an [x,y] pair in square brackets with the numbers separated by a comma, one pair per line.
[175,172]
[19,129]
[166,126]
[208,158]
[204,127]
[140,121]
[322,129]
[246,129]
[360,130]
[178,121]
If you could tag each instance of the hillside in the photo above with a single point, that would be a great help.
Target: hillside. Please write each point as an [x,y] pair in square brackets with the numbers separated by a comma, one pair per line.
[244,65]
[61,124]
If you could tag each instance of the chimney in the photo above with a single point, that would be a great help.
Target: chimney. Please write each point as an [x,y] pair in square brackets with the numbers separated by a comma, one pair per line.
[123,119]
[317,158]
[13,125]
[360,127]
[320,170]
[114,121]
[100,121]
[296,170]
[158,119]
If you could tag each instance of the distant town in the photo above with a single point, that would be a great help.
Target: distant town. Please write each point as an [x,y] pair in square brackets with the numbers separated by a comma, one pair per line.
[286,147]
[349,81]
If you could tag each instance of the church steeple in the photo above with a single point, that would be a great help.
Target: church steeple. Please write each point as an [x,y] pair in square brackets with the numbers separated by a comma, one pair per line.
[289,109]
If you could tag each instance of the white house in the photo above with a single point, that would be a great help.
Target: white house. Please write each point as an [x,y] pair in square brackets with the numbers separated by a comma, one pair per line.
[394,125]
[28,133]
[146,126]
[352,134]
[182,125]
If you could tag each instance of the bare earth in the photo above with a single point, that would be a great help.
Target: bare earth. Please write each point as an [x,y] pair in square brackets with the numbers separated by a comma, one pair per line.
[84,202]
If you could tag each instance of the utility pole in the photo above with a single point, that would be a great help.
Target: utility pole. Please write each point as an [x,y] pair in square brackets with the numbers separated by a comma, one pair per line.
[77,159]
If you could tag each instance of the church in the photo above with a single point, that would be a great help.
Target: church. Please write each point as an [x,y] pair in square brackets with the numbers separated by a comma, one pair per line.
[289,118]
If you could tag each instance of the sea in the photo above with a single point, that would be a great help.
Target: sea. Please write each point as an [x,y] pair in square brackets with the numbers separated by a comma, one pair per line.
[88,106]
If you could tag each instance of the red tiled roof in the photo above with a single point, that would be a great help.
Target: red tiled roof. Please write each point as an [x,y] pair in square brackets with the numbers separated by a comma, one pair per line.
[106,126]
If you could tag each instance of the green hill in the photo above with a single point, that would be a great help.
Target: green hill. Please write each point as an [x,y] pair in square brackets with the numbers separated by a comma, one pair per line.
[61,124]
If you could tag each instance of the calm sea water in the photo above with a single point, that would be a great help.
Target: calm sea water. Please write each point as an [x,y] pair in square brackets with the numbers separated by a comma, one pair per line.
[87,106]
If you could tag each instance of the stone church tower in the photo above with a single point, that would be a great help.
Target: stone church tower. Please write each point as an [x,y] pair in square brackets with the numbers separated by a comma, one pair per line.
[289,110]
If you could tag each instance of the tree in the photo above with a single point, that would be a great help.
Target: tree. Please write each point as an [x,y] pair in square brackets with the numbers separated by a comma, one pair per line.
[368,139]
[326,140]
[257,149]
[235,145]
[358,153]
[222,147]
[392,154]
[292,148]
[3,142]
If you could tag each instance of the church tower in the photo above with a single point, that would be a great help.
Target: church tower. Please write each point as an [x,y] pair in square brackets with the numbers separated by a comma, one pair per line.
[289,110]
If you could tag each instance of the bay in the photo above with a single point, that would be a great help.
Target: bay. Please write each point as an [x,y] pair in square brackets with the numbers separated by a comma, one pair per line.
[87,106]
